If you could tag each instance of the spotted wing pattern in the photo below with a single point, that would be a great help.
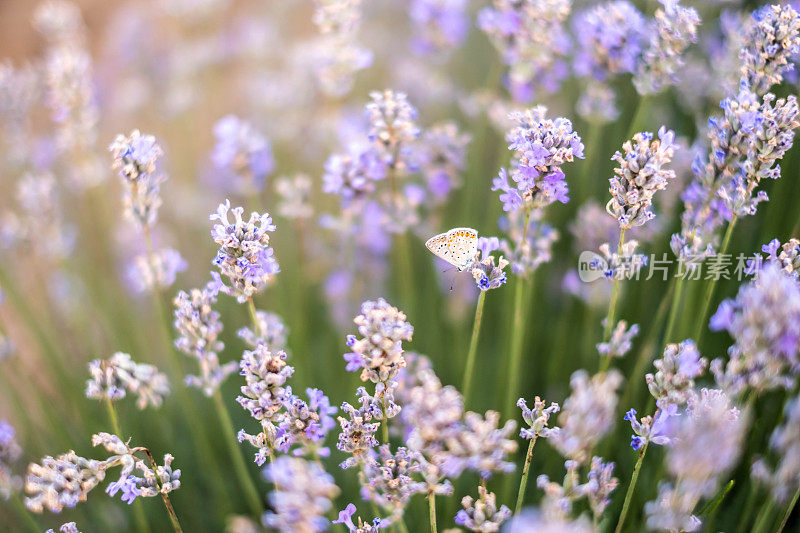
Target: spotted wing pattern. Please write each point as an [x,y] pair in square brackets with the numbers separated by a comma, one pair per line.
[458,246]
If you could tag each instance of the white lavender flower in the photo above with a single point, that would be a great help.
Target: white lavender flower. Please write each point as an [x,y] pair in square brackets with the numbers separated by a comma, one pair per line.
[620,342]
[245,256]
[537,418]
[270,331]
[587,415]
[302,495]
[674,28]
[392,127]
[481,446]
[357,436]
[199,327]
[535,521]
[10,452]
[673,382]
[388,479]
[61,482]
[764,321]
[639,176]
[379,353]
[294,197]
[483,514]
[157,271]
[135,160]
[773,38]
[113,378]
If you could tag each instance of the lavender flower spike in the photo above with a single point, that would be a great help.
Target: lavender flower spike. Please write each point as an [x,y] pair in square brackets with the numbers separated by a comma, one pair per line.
[302,496]
[135,160]
[379,351]
[537,418]
[245,256]
[115,377]
[483,514]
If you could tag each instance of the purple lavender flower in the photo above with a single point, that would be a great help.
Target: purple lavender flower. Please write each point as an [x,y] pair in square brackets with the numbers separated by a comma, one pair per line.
[245,256]
[764,321]
[270,331]
[305,423]
[784,479]
[537,418]
[620,341]
[439,25]
[773,38]
[482,514]
[610,39]
[541,146]
[346,518]
[673,382]
[786,256]
[393,126]
[358,434]
[302,495]
[480,446]
[157,271]
[442,157]
[10,452]
[113,378]
[242,155]
[135,160]
[129,487]
[353,175]
[650,429]
[388,479]
[488,275]
[61,482]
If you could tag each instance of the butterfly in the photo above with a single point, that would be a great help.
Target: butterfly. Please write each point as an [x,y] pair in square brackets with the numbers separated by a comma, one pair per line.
[458,247]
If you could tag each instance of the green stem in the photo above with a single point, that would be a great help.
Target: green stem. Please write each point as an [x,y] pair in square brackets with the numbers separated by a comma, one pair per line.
[250,489]
[473,349]
[30,523]
[138,510]
[631,486]
[251,309]
[789,510]
[673,311]
[523,483]
[638,116]
[709,293]
[517,336]
[764,518]
[432,511]
[612,306]
[385,421]
[176,525]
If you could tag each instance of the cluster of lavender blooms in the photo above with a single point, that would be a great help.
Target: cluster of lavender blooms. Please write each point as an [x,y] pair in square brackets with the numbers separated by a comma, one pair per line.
[784,479]
[620,341]
[70,91]
[242,156]
[481,445]
[135,158]
[532,40]
[587,414]
[786,256]
[339,55]
[379,351]
[112,379]
[439,25]
[245,256]
[705,442]
[671,386]
[482,514]
[559,499]
[747,141]
[303,495]
[388,479]
[199,327]
[764,321]
[10,452]
[64,481]
[69,527]
[487,274]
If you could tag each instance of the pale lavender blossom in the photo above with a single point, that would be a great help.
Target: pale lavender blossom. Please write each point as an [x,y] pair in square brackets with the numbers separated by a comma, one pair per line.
[305,424]
[357,436]
[10,452]
[535,521]
[620,342]
[270,331]
[587,415]
[559,499]
[441,156]
[61,482]
[389,479]
[676,370]
[483,514]
[764,321]
[786,256]
[639,176]
[672,510]
[242,156]
[650,429]
[481,446]
[379,351]
[537,418]
[156,271]
[245,256]
[119,375]
[135,158]
[784,479]
[68,527]
[773,38]
[671,32]
[302,495]
[487,274]
[199,327]
[346,519]
[610,39]
[352,175]
[295,197]
[598,103]
[527,249]
[393,127]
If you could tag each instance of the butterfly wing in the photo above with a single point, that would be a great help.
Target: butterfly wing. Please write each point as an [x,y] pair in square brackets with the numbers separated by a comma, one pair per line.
[438,246]
[462,245]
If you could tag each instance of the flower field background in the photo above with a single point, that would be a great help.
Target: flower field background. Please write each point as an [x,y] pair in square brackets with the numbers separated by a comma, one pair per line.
[218,312]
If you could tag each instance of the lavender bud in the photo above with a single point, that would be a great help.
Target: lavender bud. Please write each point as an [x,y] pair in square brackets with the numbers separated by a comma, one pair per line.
[483,514]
